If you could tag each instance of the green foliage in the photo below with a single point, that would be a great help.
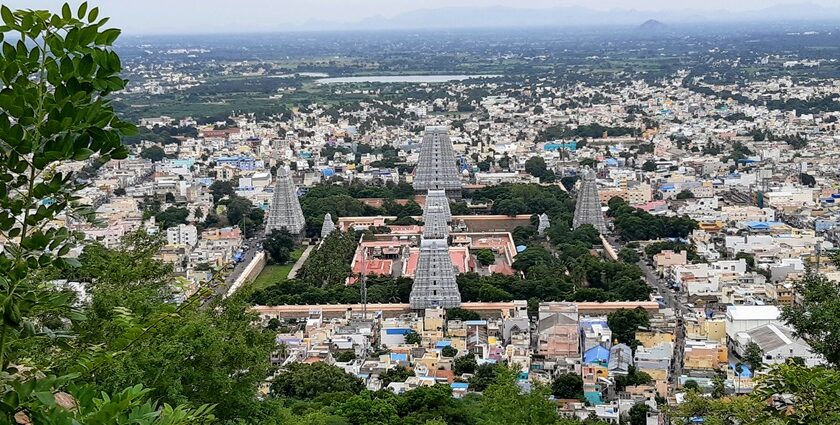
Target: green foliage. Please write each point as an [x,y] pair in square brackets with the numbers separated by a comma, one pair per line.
[504,402]
[754,356]
[329,264]
[461,314]
[365,409]
[459,208]
[591,279]
[171,217]
[522,235]
[343,201]
[816,318]
[465,364]
[788,394]
[154,153]
[186,362]
[510,207]
[748,258]
[485,257]
[484,376]
[220,188]
[634,224]
[633,377]
[279,245]
[163,135]
[381,289]
[649,166]
[628,255]
[449,351]
[685,194]
[567,386]
[569,182]
[536,167]
[592,131]
[243,213]
[307,381]
[815,105]
[533,256]
[624,323]
[529,199]
[807,180]
[638,414]
[397,374]
[54,108]
[412,338]
[345,356]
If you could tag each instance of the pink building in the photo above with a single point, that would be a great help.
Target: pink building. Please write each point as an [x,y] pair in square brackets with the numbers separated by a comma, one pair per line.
[559,331]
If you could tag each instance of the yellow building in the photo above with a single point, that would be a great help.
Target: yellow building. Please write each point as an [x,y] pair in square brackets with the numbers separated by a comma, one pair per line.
[704,355]
[711,226]
[709,329]
[431,360]
[650,339]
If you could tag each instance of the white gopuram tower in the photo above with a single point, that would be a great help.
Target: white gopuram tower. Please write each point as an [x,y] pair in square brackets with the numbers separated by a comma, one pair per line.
[434,280]
[328,226]
[588,205]
[436,168]
[284,211]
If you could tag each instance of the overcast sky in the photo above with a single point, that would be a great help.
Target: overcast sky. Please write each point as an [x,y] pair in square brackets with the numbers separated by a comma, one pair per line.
[192,16]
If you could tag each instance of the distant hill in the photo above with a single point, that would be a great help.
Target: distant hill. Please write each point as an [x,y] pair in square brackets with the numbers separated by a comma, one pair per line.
[652,25]
[569,16]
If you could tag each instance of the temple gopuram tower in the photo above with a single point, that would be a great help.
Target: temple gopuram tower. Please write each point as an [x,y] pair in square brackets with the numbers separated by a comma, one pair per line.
[436,168]
[284,211]
[588,205]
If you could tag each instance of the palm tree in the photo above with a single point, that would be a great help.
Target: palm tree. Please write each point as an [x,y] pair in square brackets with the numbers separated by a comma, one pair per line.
[738,369]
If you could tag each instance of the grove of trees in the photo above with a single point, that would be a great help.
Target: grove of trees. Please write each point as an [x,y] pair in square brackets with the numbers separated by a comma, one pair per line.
[633,224]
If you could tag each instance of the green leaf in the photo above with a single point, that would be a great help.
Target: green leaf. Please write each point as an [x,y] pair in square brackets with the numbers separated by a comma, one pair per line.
[11,399]
[27,22]
[109,36]
[94,13]
[82,10]
[66,13]
[83,154]
[11,313]
[9,51]
[66,67]
[55,43]
[46,398]
[72,38]
[85,66]
[8,17]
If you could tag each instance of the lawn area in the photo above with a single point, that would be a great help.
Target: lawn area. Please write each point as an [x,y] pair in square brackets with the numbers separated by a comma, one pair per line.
[276,273]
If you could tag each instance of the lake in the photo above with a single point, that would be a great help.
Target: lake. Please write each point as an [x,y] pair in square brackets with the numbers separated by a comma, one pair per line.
[400,79]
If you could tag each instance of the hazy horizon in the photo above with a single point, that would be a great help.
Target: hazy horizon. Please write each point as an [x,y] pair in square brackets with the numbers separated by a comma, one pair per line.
[210,16]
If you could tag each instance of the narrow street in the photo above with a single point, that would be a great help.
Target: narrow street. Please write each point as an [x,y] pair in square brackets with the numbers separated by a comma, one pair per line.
[671,300]
[248,255]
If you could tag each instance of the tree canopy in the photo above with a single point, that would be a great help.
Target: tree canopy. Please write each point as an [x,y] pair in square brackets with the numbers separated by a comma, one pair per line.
[624,323]
[55,107]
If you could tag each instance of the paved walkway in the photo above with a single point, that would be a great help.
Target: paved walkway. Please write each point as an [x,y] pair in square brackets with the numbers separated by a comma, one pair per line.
[300,261]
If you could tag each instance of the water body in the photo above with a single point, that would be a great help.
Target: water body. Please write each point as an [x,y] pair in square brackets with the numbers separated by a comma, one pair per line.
[400,79]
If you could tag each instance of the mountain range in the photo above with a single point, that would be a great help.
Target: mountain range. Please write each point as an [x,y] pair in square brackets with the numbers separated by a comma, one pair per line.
[503,16]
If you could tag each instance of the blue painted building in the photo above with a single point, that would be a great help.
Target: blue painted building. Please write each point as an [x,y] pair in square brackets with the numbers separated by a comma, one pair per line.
[244,163]
[557,145]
